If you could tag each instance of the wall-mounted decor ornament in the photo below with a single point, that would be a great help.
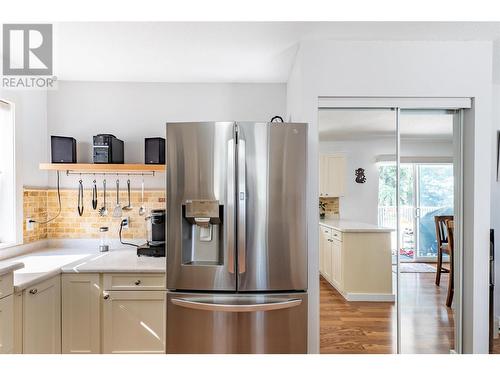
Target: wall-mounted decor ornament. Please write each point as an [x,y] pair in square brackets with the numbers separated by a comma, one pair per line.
[360,175]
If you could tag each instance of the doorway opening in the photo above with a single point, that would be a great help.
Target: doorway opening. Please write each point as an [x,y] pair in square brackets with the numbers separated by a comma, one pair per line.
[385,234]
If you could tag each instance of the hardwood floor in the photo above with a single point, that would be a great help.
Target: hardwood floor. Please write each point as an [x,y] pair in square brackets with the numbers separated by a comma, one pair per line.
[370,327]
[496,347]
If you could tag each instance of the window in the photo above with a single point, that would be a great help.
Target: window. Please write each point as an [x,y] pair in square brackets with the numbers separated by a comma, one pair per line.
[7,175]
[426,190]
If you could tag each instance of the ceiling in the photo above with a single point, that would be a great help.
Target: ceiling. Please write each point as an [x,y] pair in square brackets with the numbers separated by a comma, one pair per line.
[221,51]
[347,125]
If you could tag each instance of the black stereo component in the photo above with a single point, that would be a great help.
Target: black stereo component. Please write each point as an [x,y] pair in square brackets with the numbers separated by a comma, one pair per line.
[154,150]
[108,149]
[63,149]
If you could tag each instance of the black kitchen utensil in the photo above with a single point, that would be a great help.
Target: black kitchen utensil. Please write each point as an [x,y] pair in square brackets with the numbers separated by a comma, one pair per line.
[80,198]
[94,195]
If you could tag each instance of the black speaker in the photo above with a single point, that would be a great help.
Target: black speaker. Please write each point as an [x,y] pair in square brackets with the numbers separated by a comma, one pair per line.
[155,150]
[63,149]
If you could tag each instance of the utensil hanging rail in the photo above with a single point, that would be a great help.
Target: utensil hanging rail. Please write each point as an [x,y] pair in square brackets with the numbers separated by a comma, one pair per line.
[72,173]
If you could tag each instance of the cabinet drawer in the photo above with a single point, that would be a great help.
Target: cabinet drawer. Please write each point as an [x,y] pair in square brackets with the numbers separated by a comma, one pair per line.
[6,284]
[139,281]
[326,231]
[336,235]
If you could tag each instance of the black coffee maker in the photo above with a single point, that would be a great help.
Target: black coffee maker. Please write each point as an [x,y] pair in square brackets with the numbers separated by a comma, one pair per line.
[155,247]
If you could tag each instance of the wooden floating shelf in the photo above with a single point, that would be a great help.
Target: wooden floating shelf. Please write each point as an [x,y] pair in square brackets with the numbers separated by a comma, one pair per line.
[102,168]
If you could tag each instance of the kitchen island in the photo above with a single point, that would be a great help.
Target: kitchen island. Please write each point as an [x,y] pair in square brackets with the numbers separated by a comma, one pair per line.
[356,259]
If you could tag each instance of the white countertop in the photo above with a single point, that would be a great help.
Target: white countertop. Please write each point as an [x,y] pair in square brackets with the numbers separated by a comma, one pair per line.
[7,267]
[122,260]
[46,263]
[346,226]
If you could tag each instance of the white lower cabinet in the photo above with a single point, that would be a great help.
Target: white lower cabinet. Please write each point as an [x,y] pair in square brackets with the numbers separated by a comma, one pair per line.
[134,322]
[81,296]
[129,318]
[42,317]
[330,255]
[7,325]
[336,274]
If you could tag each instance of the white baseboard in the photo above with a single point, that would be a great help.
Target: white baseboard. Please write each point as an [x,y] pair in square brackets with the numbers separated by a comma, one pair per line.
[362,297]
[369,297]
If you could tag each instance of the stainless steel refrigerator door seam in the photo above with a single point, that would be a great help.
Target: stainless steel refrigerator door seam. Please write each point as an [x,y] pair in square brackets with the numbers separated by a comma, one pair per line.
[241,206]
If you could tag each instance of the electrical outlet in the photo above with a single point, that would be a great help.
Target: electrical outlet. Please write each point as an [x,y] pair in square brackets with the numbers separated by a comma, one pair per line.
[30,225]
[126,222]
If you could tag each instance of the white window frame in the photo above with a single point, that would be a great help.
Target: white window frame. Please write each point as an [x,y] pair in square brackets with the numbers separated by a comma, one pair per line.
[11,229]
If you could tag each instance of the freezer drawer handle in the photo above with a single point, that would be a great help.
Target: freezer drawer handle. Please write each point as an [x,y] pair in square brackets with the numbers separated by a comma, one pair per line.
[196,305]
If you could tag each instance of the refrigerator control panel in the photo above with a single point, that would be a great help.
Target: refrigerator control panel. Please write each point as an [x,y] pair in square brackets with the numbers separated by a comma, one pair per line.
[202,209]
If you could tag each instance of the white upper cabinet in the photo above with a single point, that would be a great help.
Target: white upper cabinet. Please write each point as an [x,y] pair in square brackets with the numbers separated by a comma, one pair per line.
[42,317]
[332,175]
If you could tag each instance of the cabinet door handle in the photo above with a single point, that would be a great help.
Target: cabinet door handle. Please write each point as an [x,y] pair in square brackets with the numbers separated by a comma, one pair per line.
[137,282]
[106,296]
[33,291]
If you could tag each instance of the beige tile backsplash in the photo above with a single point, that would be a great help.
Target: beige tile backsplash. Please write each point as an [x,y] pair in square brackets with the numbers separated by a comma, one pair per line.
[41,204]
[332,205]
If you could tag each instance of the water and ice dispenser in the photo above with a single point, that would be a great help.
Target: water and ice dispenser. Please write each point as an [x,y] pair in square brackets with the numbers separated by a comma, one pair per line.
[202,230]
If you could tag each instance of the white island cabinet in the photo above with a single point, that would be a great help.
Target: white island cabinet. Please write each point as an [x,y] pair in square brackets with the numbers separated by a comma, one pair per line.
[41,323]
[355,258]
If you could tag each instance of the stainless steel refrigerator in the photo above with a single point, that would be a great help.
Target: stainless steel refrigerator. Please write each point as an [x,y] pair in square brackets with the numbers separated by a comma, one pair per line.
[236,237]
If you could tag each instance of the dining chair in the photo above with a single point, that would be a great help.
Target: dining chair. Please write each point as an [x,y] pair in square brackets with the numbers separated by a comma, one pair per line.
[450,225]
[442,244]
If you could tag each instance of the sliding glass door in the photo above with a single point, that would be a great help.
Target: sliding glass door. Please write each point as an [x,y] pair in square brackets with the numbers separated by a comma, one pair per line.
[427,187]
[434,185]
[426,191]
[411,157]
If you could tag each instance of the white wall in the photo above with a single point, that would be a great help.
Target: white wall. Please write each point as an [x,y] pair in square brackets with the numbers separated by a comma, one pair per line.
[407,69]
[360,202]
[133,111]
[31,146]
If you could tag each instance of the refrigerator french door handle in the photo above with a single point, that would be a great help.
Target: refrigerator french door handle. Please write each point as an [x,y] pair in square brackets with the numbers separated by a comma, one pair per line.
[230,209]
[218,307]
[242,200]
